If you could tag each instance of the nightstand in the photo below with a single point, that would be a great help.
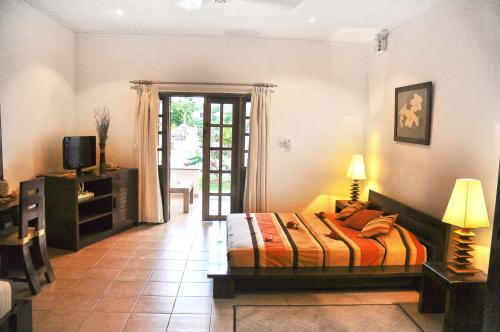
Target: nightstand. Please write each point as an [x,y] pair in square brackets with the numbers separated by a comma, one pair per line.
[340,204]
[460,297]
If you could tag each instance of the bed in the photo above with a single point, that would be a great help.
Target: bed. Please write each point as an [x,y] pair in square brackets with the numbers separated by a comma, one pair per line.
[307,259]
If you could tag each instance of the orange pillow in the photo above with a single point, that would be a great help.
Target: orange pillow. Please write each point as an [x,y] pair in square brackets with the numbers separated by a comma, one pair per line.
[359,219]
[379,226]
[351,209]
[334,235]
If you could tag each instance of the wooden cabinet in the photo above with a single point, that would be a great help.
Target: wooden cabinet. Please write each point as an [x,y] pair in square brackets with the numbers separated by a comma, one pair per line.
[73,224]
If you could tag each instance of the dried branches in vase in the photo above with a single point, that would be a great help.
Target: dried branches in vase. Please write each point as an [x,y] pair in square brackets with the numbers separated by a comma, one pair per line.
[102,120]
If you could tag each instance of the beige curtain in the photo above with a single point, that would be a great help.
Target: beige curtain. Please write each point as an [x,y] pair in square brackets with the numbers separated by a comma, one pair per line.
[256,196]
[146,138]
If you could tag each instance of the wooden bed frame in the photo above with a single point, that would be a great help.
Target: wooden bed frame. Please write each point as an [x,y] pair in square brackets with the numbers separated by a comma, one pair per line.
[431,232]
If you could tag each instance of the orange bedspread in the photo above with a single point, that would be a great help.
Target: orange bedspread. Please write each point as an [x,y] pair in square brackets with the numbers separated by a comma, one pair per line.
[265,241]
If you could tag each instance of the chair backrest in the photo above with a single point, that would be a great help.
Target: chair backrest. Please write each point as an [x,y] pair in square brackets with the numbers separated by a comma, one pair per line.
[32,206]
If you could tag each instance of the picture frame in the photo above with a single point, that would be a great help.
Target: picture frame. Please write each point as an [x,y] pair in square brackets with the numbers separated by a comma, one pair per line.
[413,113]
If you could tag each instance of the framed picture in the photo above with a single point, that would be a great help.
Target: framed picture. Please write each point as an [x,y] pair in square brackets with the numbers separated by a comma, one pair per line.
[413,114]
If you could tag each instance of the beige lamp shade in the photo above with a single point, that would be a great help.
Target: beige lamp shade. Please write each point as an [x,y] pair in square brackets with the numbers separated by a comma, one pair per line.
[467,208]
[356,169]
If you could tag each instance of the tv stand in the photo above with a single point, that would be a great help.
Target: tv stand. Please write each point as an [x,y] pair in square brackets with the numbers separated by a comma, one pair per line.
[73,223]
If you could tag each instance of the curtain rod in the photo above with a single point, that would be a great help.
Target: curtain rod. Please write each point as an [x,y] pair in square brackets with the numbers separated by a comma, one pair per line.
[267,85]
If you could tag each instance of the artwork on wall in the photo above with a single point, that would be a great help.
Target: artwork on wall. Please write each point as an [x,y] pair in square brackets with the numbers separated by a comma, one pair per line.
[413,113]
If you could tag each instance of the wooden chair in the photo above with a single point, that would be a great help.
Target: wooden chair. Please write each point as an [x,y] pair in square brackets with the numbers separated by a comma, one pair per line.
[25,247]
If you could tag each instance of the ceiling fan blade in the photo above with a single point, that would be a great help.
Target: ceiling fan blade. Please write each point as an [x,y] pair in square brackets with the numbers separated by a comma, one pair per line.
[282,3]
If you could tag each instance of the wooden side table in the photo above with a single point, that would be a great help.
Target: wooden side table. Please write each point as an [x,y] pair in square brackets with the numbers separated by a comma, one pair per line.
[185,188]
[340,204]
[460,297]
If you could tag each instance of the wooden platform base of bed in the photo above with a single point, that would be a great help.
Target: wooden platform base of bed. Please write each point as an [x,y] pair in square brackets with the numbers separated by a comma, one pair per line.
[227,283]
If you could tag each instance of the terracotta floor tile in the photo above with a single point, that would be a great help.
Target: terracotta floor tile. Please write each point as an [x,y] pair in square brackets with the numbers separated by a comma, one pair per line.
[196,289]
[38,316]
[112,262]
[76,302]
[115,304]
[83,261]
[199,255]
[72,272]
[90,286]
[197,265]
[155,304]
[172,265]
[44,301]
[104,244]
[134,275]
[177,255]
[105,322]
[221,323]
[125,288]
[193,305]
[153,246]
[189,322]
[59,285]
[62,321]
[139,322]
[92,252]
[103,273]
[161,288]
[166,276]
[120,253]
[195,276]
[60,261]
[147,254]
[145,264]
[128,245]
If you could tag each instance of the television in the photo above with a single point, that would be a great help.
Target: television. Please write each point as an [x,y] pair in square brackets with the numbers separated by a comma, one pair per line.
[79,152]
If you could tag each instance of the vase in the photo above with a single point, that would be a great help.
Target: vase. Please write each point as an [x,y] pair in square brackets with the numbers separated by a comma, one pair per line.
[102,157]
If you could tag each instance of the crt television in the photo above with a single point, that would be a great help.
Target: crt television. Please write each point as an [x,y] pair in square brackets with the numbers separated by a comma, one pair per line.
[79,152]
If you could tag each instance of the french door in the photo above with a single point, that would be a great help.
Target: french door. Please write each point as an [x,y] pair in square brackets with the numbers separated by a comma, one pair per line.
[223,156]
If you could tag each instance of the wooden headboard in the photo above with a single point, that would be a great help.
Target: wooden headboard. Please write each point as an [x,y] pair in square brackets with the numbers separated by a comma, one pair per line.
[431,232]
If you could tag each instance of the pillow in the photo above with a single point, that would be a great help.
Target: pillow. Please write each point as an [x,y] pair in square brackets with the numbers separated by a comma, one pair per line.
[334,235]
[350,209]
[379,226]
[359,219]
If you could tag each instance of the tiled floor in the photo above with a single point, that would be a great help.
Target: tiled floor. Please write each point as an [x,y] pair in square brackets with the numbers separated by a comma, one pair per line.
[153,278]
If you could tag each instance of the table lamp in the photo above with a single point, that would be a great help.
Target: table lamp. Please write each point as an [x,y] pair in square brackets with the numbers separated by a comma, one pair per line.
[466,209]
[356,173]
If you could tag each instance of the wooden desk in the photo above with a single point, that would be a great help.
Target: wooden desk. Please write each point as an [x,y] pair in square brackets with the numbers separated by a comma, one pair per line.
[185,188]
[460,297]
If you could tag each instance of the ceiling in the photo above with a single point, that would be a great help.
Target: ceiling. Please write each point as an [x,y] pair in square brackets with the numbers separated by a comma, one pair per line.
[327,20]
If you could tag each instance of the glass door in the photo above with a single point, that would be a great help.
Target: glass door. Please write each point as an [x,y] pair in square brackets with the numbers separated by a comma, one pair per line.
[222,157]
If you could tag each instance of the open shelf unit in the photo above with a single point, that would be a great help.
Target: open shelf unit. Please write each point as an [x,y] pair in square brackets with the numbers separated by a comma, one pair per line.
[72,224]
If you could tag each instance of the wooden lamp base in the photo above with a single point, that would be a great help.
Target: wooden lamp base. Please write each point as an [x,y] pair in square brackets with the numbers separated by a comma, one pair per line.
[460,263]
[354,191]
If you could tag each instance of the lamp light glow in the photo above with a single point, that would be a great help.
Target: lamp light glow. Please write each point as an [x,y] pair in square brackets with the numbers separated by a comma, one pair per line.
[356,173]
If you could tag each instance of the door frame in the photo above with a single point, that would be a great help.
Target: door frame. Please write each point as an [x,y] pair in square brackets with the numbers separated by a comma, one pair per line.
[237,185]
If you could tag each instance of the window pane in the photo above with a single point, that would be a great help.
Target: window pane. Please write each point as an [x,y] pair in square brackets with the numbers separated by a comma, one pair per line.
[160,140]
[214,160]
[227,137]
[247,142]
[245,162]
[160,108]
[226,183]
[159,158]
[214,183]
[215,137]
[247,126]
[226,160]
[248,107]
[213,205]
[226,205]
[160,121]
[228,113]
[215,114]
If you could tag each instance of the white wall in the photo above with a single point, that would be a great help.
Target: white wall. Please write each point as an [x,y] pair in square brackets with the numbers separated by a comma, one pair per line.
[455,44]
[321,101]
[37,89]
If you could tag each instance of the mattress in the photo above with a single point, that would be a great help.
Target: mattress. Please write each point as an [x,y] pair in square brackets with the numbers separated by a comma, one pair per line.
[5,298]
[263,240]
